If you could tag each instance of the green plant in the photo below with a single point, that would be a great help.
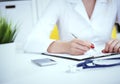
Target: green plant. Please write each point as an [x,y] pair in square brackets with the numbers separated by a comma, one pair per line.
[7,31]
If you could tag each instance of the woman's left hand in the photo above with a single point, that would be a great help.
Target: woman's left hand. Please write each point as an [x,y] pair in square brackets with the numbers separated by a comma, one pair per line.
[113,46]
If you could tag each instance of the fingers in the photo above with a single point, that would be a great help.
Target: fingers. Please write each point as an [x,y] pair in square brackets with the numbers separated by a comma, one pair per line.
[75,51]
[83,43]
[113,46]
[106,50]
[79,47]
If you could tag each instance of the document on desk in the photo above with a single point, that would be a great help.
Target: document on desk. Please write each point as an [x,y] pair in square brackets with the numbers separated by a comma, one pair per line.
[90,55]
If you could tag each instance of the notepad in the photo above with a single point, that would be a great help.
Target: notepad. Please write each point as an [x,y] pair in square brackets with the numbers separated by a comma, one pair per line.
[80,57]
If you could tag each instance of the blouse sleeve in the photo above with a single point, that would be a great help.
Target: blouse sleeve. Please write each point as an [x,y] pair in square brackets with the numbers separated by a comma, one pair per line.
[39,40]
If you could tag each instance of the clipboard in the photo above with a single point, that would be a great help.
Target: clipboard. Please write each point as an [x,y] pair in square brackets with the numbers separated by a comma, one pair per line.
[78,58]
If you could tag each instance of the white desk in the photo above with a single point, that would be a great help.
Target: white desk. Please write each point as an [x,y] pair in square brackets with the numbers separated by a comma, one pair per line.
[21,70]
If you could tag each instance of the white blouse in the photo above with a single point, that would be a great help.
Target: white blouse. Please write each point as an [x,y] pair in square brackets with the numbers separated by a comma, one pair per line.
[71,18]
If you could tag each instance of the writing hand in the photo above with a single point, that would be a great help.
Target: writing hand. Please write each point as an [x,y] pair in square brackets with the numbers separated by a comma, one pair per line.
[79,47]
[73,47]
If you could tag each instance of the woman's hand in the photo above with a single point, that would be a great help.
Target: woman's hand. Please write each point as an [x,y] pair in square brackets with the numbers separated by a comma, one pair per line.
[113,46]
[73,47]
[78,47]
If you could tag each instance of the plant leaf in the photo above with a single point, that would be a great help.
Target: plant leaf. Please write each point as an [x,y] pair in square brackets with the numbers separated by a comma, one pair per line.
[7,33]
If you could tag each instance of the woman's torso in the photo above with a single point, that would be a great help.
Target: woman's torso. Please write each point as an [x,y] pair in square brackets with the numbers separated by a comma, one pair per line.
[74,19]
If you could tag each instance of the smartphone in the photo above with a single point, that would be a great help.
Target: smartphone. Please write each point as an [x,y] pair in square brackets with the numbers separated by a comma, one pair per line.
[44,62]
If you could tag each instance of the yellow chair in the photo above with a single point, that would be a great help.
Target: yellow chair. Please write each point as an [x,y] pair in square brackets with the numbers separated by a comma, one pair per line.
[114,33]
[55,33]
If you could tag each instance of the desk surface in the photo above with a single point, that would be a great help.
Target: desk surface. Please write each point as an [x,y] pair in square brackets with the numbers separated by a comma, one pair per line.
[20,70]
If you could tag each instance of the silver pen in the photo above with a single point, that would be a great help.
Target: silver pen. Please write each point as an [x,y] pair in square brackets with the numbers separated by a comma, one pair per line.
[74,36]
[92,45]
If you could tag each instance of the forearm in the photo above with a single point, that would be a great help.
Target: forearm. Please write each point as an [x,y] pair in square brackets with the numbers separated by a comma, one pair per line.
[58,47]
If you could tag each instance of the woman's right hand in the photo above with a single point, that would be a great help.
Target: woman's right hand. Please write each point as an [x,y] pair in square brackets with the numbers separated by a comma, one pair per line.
[78,47]
[73,47]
